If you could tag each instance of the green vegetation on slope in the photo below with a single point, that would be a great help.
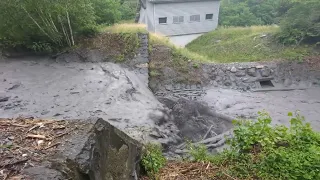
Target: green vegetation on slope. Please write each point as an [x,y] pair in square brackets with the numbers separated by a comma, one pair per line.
[301,24]
[245,44]
[45,25]
[299,20]
[257,150]
[165,55]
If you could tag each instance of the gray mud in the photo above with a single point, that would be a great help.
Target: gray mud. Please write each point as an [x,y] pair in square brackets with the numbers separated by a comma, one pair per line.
[277,103]
[68,88]
[43,88]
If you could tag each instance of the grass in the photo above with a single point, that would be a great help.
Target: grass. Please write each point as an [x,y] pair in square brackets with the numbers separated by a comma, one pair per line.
[245,44]
[164,41]
[225,45]
[164,55]
[154,39]
[126,28]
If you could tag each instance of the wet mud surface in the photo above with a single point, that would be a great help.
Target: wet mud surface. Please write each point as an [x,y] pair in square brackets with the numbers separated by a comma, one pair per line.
[43,88]
[277,103]
[57,89]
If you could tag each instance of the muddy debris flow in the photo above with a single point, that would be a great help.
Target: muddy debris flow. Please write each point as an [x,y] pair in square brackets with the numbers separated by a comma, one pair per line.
[69,88]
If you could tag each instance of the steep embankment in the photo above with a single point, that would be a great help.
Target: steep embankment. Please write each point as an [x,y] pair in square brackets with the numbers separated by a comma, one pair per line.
[168,64]
[246,44]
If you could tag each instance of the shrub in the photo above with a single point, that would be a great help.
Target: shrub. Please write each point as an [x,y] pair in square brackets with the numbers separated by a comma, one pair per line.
[301,23]
[259,150]
[153,160]
[128,10]
[107,11]
[237,15]
[47,24]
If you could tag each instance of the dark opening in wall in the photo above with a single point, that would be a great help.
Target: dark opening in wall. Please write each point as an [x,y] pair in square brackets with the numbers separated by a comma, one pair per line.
[266,84]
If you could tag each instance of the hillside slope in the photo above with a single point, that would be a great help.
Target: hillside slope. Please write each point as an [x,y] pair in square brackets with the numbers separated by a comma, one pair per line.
[246,44]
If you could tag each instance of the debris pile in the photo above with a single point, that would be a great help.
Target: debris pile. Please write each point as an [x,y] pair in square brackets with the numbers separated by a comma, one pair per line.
[27,142]
[191,170]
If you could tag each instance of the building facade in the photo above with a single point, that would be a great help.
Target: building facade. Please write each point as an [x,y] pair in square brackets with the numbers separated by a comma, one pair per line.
[179,17]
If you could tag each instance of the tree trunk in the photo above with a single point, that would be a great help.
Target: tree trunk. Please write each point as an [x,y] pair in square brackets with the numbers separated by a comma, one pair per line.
[29,15]
[70,29]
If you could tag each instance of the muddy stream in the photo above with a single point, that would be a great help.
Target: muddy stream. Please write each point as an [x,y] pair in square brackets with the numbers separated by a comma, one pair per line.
[45,88]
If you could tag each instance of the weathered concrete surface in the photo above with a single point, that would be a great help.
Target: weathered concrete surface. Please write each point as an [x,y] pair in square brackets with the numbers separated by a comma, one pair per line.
[96,152]
[183,40]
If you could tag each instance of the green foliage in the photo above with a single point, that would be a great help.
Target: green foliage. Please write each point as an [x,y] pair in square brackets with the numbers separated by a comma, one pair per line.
[253,12]
[120,58]
[195,65]
[153,160]
[55,24]
[154,73]
[128,10]
[131,42]
[199,153]
[41,47]
[261,151]
[107,11]
[299,20]
[301,23]
[237,15]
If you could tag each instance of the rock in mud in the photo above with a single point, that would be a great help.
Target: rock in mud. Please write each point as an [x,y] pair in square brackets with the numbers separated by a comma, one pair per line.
[233,69]
[240,73]
[227,83]
[252,72]
[44,112]
[260,67]
[14,87]
[265,72]
[4,98]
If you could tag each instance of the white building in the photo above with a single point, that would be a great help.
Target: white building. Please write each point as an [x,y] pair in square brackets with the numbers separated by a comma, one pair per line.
[180,20]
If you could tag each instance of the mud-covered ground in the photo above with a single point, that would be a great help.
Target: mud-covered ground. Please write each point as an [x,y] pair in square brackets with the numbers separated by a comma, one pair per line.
[44,88]
[72,89]
[277,103]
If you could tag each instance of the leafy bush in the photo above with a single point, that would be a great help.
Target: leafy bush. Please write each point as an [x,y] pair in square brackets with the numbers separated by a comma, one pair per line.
[261,151]
[301,23]
[107,11]
[237,15]
[54,24]
[199,153]
[153,160]
[253,12]
[128,10]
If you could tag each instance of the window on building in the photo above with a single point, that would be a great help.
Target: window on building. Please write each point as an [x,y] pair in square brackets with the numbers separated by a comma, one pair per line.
[209,16]
[195,18]
[178,19]
[163,20]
